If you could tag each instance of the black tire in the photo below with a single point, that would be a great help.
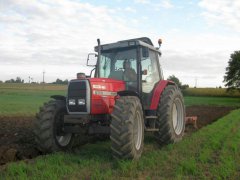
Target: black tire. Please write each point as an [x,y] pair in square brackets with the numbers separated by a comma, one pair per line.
[48,128]
[171,116]
[127,128]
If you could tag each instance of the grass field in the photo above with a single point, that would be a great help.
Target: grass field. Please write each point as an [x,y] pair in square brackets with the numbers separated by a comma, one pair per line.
[211,153]
[25,99]
[215,101]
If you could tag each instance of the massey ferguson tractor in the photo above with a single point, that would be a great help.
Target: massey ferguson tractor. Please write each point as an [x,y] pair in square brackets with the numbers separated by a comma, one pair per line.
[124,96]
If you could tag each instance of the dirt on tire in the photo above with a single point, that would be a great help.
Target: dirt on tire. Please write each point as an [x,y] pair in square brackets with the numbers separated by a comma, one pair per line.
[17,138]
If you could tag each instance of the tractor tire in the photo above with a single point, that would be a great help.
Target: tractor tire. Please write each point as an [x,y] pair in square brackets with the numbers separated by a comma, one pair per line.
[48,128]
[127,128]
[171,116]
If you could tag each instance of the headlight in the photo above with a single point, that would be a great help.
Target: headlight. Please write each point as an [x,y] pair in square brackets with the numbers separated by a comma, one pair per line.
[71,102]
[81,101]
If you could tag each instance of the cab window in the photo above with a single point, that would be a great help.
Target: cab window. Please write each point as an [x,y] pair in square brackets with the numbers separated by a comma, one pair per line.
[150,65]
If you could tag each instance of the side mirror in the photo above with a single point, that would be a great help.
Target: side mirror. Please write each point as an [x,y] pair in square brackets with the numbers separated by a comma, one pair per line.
[91,59]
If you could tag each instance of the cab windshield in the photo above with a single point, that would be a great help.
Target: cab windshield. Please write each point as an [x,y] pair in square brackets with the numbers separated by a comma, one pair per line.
[120,64]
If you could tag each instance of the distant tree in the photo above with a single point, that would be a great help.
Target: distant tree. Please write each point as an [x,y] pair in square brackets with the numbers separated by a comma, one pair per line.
[185,86]
[18,80]
[178,82]
[232,75]
[10,81]
[65,81]
[59,81]
[1,81]
[175,79]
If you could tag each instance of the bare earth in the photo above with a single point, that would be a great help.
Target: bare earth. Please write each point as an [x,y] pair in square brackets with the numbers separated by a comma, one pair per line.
[17,140]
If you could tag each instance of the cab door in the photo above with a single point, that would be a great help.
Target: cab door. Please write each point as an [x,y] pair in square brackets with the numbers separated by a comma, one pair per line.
[151,75]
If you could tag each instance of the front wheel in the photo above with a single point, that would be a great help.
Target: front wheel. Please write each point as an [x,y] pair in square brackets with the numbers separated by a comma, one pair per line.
[171,116]
[48,127]
[127,128]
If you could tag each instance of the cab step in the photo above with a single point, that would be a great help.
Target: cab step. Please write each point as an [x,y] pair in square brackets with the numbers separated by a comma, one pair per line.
[151,117]
[151,129]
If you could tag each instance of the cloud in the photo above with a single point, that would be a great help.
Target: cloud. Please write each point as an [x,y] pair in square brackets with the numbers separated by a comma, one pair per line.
[57,36]
[130,9]
[222,12]
[166,4]
[204,56]
[207,67]
[142,1]
[56,32]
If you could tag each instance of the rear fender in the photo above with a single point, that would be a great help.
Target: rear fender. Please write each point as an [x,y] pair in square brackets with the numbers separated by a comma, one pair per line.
[158,92]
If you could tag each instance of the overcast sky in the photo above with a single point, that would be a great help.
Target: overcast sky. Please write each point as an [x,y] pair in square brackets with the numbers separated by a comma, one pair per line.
[56,35]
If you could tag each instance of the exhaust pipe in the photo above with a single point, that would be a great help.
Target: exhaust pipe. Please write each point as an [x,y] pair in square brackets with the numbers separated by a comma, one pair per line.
[99,56]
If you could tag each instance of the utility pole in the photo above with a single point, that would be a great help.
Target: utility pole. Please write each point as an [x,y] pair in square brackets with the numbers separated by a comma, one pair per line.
[196,79]
[43,76]
[29,78]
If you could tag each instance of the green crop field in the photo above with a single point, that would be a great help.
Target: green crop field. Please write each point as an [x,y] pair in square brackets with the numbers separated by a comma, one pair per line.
[211,153]
[214,101]
[25,99]
[211,92]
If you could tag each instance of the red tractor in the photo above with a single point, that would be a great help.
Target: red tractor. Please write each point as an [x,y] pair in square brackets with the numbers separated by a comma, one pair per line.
[126,97]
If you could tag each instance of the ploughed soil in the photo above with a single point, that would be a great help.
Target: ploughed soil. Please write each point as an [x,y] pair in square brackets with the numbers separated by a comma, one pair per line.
[17,139]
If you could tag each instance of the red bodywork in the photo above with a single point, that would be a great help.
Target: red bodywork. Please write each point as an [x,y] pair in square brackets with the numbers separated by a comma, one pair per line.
[103,93]
[158,92]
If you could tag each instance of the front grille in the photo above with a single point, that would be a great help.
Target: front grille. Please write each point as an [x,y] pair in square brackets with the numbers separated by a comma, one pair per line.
[78,89]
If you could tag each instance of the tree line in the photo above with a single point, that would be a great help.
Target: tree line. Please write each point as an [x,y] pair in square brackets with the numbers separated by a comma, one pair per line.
[20,80]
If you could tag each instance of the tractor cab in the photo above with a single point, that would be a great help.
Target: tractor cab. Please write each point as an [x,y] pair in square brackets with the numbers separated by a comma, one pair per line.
[134,61]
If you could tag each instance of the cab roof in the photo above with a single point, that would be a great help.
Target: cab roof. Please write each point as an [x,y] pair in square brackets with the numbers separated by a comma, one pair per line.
[143,41]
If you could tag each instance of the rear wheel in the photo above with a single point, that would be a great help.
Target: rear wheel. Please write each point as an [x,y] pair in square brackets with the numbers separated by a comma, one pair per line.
[127,128]
[48,127]
[171,116]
